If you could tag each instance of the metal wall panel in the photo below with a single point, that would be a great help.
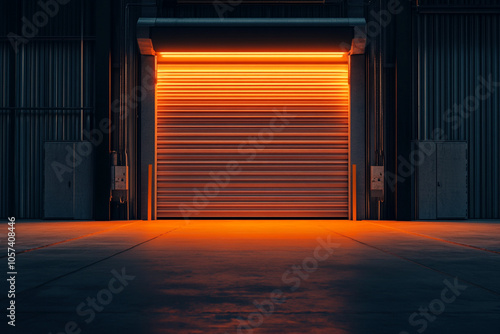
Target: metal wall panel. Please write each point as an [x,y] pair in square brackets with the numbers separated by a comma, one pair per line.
[4,22]
[47,107]
[459,96]
[48,100]
[64,20]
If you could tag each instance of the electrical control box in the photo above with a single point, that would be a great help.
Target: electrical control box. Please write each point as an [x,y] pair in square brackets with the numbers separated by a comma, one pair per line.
[119,177]
[377,181]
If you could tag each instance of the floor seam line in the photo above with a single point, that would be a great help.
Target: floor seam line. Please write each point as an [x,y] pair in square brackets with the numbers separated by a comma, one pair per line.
[440,239]
[22,293]
[68,240]
[417,263]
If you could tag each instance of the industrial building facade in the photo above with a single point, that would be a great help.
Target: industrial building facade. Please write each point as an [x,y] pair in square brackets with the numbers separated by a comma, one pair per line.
[208,109]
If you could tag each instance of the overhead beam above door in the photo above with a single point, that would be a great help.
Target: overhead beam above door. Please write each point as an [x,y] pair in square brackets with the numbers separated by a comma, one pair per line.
[280,34]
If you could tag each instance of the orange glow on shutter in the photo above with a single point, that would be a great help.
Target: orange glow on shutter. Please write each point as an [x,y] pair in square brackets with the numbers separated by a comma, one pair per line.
[211,104]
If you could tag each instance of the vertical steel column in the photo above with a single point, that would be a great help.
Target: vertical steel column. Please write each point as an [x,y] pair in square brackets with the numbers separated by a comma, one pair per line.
[357,78]
[403,106]
[148,135]
[102,109]
[14,8]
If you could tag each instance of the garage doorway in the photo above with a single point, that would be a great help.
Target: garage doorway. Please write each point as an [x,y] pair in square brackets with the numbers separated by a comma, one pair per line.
[255,134]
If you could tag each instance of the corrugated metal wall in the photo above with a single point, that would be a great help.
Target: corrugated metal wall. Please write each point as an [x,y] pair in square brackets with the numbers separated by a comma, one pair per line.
[456,54]
[48,93]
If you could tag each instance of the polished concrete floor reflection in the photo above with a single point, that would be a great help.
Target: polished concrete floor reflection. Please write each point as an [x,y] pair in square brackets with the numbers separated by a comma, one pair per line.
[256,276]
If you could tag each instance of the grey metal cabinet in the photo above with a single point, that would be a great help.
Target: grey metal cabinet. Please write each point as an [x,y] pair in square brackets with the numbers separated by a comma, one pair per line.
[68,180]
[441,180]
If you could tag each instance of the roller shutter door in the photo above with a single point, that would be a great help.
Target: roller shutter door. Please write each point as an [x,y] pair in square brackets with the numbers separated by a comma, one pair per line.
[252,135]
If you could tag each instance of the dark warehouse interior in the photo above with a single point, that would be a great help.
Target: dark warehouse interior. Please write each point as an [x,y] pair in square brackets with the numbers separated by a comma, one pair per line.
[254,166]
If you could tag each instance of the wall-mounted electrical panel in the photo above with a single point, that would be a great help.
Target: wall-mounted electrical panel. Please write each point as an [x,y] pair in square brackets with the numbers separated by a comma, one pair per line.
[377,181]
[119,177]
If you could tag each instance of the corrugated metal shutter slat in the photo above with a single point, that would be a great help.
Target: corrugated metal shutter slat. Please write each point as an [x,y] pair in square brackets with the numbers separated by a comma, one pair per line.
[252,138]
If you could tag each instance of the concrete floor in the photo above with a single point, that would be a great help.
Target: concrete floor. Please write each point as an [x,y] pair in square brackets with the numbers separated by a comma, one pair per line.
[251,276]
